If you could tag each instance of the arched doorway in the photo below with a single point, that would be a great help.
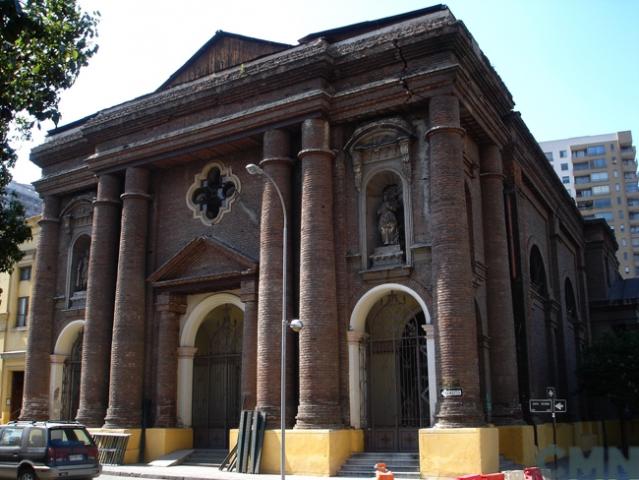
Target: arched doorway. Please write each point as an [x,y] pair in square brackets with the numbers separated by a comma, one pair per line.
[71,381]
[217,376]
[397,374]
[64,378]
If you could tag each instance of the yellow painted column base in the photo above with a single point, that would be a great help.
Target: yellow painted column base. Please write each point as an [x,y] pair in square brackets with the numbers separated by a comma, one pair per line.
[517,443]
[160,441]
[308,452]
[132,454]
[452,452]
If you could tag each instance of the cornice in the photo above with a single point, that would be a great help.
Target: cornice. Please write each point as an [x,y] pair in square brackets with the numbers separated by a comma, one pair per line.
[412,77]
[211,132]
[68,181]
[235,84]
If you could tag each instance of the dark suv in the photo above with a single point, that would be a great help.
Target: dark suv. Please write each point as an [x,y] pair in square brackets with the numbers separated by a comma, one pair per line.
[47,450]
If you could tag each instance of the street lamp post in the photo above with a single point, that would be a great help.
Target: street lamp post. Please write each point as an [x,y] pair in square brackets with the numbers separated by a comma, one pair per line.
[296,325]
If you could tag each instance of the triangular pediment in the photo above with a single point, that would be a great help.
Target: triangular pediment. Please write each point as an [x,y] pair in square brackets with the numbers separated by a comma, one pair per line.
[204,259]
[224,50]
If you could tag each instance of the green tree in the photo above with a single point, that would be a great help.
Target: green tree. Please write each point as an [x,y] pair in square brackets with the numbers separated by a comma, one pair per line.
[45,43]
[609,369]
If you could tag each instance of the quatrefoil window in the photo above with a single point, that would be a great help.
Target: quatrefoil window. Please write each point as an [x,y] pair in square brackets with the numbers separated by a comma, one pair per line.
[213,192]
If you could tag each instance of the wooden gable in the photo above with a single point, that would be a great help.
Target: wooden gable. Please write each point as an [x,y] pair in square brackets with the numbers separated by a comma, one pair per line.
[203,261]
[224,50]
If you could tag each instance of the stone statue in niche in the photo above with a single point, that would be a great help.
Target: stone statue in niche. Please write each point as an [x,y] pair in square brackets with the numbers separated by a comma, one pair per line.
[388,224]
[81,273]
[215,190]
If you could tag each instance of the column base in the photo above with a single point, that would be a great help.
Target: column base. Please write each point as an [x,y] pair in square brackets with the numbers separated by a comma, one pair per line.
[517,443]
[308,452]
[161,441]
[35,409]
[91,417]
[320,416]
[453,452]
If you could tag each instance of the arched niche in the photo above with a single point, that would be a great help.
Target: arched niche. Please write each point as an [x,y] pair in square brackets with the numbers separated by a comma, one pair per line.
[78,270]
[381,160]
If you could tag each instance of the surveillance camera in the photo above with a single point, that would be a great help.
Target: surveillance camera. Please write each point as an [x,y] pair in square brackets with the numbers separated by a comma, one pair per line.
[296,325]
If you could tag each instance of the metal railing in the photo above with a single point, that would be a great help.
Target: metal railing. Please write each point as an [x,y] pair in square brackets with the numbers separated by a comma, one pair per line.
[111,447]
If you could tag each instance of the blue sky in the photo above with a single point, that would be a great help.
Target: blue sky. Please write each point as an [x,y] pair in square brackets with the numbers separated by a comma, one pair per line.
[571,66]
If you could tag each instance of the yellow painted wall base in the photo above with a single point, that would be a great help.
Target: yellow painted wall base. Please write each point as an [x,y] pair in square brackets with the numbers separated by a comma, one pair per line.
[517,443]
[160,441]
[451,452]
[132,454]
[308,452]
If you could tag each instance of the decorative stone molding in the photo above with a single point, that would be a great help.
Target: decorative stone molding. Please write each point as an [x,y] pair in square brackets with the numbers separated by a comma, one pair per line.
[212,193]
[378,141]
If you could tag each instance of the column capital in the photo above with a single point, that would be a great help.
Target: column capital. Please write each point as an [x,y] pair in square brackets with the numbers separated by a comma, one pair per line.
[491,161]
[356,336]
[445,129]
[186,352]
[168,302]
[330,154]
[58,358]
[429,330]
[267,162]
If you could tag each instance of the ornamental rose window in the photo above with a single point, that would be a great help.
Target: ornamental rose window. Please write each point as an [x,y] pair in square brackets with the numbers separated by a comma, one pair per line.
[213,192]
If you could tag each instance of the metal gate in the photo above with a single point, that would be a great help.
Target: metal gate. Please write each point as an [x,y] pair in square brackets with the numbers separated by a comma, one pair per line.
[216,380]
[397,381]
[71,382]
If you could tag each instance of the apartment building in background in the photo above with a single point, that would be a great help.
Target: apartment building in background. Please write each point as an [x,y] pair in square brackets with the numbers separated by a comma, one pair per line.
[15,303]
[600,172]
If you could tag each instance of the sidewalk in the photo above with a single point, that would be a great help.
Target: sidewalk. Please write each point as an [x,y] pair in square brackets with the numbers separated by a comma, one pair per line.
[186,472]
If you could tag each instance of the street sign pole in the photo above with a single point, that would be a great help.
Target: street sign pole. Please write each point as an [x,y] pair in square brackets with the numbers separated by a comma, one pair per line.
[551,393]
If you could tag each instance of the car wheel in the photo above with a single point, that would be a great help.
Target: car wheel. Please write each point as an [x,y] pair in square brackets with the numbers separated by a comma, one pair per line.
[27,474]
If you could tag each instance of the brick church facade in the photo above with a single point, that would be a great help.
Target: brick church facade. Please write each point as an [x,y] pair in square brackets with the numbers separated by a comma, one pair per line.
[436,261]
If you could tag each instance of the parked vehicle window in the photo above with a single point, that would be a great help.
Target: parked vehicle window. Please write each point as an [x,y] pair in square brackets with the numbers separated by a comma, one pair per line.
[36,438]
[11,437]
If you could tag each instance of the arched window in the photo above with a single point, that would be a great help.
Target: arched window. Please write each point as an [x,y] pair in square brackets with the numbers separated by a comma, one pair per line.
[571,303]
[537,272]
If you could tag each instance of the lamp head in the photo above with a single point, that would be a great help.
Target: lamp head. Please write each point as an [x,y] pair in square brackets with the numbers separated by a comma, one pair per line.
[254,169]
[296,325]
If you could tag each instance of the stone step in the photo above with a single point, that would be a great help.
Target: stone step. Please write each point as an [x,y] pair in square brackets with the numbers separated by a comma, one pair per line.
[369,474]
[409,467]
[394,461]
[206,457]
[402,464]
[389,454]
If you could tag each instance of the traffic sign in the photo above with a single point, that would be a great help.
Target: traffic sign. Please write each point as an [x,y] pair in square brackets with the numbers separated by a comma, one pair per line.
[540,405]
[560,405]
[551,392]
[451,392]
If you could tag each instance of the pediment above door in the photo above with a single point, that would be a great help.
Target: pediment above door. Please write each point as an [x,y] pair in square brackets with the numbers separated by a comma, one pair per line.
[204,264]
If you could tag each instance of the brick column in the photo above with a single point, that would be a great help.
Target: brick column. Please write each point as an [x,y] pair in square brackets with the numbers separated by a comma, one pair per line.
[451,269]
[501,322]
[248,295]
[169,308]
[35,404]
[96,349]
[319,346]
[277,163]
[127,350]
